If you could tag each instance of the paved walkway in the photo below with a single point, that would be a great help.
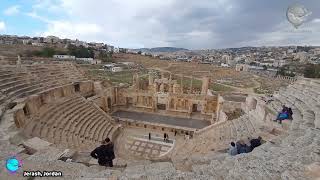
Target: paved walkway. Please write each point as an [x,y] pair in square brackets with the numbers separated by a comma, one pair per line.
[155,118]
[146,148]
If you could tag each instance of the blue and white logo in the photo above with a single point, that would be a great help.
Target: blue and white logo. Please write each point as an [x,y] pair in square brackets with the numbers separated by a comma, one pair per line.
[13,164]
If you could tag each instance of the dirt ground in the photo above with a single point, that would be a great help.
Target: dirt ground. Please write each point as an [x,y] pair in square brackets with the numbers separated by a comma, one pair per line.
[219,76]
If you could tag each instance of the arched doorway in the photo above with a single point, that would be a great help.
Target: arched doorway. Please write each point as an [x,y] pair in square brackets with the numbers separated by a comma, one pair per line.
[109,103]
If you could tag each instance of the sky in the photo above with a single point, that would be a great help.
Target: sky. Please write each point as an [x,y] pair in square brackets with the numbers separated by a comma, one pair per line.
[192,24]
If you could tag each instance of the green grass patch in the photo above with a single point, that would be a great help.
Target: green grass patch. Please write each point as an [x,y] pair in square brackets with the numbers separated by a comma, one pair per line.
[187,83]
[259,90]
[115,77]
[220,87]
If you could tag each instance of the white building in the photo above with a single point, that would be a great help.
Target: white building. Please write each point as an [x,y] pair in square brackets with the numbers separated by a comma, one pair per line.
[99,45]
[279,63]
[116,69]
[116,50]
[79,43]
[128,63]
[316,51]
[224,65]
[26,41]
[109,66]
[226,58]
[96,61]
[63,57]
[85,59]
[110,48]
[301,56]
[51,39]
[37,44]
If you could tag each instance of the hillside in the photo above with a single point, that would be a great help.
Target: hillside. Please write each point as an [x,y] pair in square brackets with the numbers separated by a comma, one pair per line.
[161,49]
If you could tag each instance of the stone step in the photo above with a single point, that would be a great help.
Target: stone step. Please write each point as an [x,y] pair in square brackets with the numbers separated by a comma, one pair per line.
[76,128]
[105,132]
[69,105]
[95,128]
[89,130]
[98,135]
[66,121]
[61,115]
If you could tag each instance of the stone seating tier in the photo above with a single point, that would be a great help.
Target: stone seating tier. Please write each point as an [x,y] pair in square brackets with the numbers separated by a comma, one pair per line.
[71,122]
[22,81]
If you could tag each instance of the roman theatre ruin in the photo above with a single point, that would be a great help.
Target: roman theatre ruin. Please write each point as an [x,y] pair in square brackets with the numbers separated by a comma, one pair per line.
[52,116]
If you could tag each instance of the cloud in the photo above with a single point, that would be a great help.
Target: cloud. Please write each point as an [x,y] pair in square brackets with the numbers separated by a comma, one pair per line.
[285,34]
[35,15]
[2,26]
[183,23]
[65,29]
[13,10]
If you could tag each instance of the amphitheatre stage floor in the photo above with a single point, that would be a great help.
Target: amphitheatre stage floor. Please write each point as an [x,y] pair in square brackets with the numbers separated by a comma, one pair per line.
[156,118]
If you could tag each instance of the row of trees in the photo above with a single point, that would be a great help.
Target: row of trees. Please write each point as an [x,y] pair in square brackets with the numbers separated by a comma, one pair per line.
[105,56]
[285,71]
[45,52]
[80,52]
[308,70]
[312,71]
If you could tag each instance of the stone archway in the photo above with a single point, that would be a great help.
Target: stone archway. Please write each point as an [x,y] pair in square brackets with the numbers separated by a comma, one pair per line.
[109,103]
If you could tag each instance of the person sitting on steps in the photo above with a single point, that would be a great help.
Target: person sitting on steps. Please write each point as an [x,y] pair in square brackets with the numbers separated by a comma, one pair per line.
[284,114]
[255,142]
[290,113]
[233,149]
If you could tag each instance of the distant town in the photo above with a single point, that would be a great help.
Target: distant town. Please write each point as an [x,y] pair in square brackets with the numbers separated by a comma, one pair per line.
[243,59]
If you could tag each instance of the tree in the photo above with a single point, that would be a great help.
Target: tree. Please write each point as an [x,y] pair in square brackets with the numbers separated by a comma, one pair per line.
[312,71]
[253,63]
[45,52]
[265,67]
[81,51]
[105,56]
[139,52]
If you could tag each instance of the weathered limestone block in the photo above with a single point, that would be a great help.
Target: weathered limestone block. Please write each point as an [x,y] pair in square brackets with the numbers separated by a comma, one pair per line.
[36,144]
[33,104]
[68,90]
[19,115]
[86,87]
[160,170]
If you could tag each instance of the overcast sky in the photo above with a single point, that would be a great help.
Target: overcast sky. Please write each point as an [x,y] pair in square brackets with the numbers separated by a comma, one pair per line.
[193,24]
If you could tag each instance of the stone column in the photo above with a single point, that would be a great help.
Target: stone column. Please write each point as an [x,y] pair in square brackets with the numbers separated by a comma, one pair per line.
[161,87]
[191,85]
[205,85]
[150,79]
[170,88]
[136,82]
[181,84]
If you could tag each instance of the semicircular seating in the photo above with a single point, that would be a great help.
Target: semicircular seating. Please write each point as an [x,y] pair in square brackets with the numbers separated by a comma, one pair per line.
[71,122]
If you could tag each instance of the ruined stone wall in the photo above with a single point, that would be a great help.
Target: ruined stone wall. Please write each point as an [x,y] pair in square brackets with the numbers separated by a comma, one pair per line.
[210,106]
[259,111]
[156,126]
[87,88]
[222,116]
[230,106]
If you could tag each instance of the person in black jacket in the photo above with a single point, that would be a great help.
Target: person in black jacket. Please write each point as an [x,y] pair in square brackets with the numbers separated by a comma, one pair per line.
[255,142]
[104,153]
